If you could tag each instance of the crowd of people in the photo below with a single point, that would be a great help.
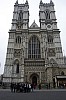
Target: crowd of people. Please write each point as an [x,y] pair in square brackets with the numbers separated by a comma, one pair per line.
[21,87]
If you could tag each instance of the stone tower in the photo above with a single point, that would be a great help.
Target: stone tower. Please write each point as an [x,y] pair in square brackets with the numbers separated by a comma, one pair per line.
[16,44]
[34,54]
[51,43]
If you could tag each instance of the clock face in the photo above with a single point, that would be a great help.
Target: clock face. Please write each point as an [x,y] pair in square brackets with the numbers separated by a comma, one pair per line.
[49,26]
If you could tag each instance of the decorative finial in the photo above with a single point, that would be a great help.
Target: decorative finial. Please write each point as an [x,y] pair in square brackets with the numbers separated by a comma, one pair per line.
[41,2]
[51,2]
[16,2]
[26,2]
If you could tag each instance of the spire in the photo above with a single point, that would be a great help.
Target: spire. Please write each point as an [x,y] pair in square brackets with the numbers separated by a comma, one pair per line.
[16,2]
[51,2]
[34,21]
[26,1]
[41,2]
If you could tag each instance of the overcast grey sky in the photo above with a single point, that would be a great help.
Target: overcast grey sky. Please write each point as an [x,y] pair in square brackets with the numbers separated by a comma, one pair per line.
[6,15]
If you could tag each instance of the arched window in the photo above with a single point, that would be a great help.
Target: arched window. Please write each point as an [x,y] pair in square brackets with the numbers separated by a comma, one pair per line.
[62,73]
[34,48]
[20,17]
[16,63]
[47,14]
[18,39]
[50,39]
[17,68]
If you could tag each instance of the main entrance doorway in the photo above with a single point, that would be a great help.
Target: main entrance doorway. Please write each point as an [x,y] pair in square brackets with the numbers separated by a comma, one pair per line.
[34,80]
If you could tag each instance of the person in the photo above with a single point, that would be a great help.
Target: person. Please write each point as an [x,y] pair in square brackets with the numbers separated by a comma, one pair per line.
[21,89]
[18,87]
[49,85]
[29,87]
[25,88]
[32,87]
[39,86]
[12,87]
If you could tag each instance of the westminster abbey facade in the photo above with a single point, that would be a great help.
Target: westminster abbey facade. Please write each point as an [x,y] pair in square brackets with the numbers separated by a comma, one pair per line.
[34,54]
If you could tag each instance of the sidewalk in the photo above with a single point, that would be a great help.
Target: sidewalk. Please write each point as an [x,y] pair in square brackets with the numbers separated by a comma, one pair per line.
[37,90]
[5,90]
[50,90]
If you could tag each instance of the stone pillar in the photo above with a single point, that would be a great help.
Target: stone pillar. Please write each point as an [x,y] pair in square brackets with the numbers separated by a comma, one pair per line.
[49,77]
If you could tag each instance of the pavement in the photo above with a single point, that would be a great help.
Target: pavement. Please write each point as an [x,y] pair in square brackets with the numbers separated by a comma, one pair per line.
[37,90]
[43,94]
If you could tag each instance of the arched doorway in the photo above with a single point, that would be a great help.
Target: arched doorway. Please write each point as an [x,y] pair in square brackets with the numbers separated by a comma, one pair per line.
[34,80]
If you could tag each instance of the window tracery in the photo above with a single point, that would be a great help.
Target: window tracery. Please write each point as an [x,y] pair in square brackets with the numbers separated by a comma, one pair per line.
[47,14]
[34,48]
[20,17]
[18,39]
[50,39]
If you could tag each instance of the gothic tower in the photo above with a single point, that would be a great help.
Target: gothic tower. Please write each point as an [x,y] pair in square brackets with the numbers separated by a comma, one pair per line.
[16,50]
[34,54]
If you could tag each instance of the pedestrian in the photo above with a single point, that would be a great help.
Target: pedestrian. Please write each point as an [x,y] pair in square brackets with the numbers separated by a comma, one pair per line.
[12,87]
[25,88]
[29,87]
[32,87]
[39,86]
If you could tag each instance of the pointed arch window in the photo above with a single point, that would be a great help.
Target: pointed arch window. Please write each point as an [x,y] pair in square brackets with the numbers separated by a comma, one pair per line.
[62,73]
[50,39]
[18,39]
[34,48]
[16,63]
[20,17]
[17,68]
[47,14]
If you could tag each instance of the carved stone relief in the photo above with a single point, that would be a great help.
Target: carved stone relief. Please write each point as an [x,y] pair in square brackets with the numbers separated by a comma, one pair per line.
[51,52]
[17,53]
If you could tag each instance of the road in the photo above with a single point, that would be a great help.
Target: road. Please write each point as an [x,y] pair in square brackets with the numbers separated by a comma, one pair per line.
[35,95]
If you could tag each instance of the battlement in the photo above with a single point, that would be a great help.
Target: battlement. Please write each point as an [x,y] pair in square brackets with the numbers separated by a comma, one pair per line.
[46,4]
[23,4]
